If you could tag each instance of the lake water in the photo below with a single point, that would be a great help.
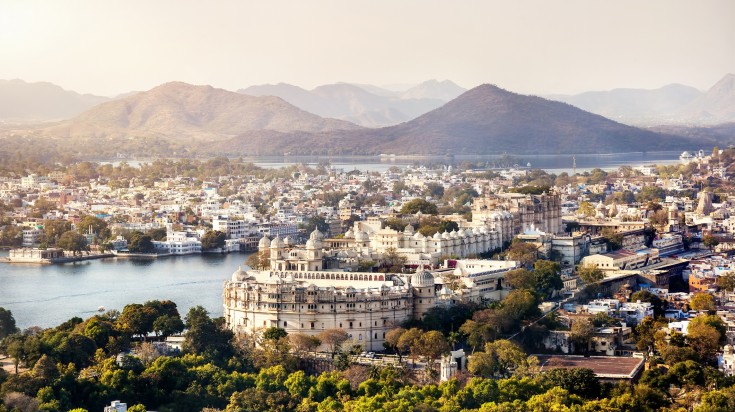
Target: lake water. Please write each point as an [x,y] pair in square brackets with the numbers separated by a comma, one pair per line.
[551,163]
[47,295]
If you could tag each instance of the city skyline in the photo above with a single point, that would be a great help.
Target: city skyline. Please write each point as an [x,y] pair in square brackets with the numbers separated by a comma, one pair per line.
[529,47]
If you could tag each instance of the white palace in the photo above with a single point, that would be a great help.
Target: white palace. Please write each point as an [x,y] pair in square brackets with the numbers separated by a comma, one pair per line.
[302,298]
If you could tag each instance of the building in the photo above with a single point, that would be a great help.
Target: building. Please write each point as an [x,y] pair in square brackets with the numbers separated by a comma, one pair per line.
[607,369]
[481,280]
[365,305]
[116,406]
[622,260]
[27,255]
[726,361]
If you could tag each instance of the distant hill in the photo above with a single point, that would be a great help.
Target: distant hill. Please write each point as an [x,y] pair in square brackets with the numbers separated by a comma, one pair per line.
[179,110]
[635,106]
[39,102]
[484,120]
[715,106]
[365,105]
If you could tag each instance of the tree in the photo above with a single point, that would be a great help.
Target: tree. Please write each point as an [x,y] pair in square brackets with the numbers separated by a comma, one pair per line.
[646,296]
[7,323]
[586,209]
[303,343]
[727,281]
[590,273]
[213,239]
[520,279]
[548,277]
[433,345]
[702,302]
[524,253]
[140,243]
[391,341]
[409,342]
[581,334]
[73,242]
[53,229]
[137,319]
[710,241]
[206,336]
[274,333]
[500,359]
[419,205]
[394,261]
[259,260]
[578,381]
[98,226]
[704,339]
[334,338]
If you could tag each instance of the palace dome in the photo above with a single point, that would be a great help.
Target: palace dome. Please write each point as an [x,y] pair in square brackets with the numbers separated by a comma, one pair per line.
[277,242]
[264,243]
[240,275]
[422,278]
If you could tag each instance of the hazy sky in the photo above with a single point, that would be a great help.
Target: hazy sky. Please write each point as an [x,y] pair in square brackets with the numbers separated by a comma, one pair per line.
[544,46]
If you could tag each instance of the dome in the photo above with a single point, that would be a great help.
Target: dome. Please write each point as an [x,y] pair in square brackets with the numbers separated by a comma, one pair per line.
[316,235]
[239,275]
[361,236]
[287,241]
[311,244]
[468,232]
[408,229]
[418,236]
[349,234]
[277,242]
[264,243]
[445,235]
[436,236]
[422,278]
[445,291]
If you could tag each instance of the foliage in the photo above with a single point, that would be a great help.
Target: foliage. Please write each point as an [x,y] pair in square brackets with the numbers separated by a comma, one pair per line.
[548,277]
[590,273]
[702,301]
[419,205]
[524,253]
[7,323]
[213,239]
[710,241]
[726,281]
[645,296]
[73,242]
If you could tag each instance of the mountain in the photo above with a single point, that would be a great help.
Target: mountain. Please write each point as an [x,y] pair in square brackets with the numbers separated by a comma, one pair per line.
[715,106]
[32,102]
[433,89]
[177,110]
[484,120]
[635,106]
[363,104]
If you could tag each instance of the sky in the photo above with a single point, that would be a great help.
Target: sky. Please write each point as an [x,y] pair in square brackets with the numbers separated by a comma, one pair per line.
[539,47]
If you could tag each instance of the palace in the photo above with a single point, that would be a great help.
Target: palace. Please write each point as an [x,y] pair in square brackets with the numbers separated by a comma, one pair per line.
[365,305]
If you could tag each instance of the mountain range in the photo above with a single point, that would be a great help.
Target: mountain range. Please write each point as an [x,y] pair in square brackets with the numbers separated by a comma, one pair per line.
[483,120]
[33,102]
[674,104]
[182,119]
[364,105]
[179,110]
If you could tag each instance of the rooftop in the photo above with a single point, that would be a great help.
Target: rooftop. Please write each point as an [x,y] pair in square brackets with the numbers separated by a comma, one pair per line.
[610,367]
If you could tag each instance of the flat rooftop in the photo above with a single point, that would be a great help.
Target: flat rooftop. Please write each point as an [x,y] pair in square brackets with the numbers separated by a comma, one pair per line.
[606,367]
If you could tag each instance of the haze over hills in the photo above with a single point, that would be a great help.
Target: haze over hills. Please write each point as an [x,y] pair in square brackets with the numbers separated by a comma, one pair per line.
[39,102]
[674,104]
[176,110]
[365,105]
[716,106]
[483,120]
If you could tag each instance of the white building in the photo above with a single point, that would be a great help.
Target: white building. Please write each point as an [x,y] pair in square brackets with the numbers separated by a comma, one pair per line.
[116,406]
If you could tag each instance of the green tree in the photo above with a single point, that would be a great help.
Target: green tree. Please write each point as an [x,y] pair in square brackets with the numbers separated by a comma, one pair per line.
[520,279]
[578,381]
[726,281]
[581,334]
[590,273]
[586,209]
[73,242]
[140,243]
[419,205]
[213,239]
[53,229]
[710,241]
[98,226]
[548,277]
[702,302]
[524,253]
[7,323]
[259,260]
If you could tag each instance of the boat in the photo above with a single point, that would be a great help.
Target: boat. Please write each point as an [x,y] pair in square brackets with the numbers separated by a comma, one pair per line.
[101,309]
[686,157]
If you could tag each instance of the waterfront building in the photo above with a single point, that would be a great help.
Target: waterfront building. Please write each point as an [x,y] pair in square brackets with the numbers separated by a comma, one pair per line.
[28,255]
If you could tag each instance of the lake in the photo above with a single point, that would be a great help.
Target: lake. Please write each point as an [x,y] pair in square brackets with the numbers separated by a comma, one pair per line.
[47,295]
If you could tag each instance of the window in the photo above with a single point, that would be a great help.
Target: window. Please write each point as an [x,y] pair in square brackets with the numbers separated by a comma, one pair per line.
[312,325]
[285,323]
[350,325]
